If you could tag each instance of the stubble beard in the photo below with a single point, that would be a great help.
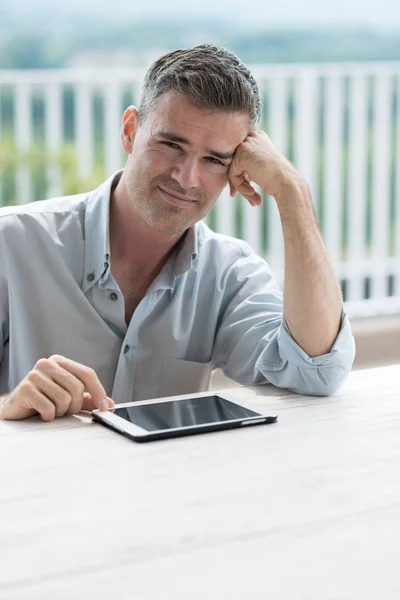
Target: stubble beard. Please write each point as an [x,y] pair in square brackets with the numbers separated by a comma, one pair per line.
[167,220]
[162,217]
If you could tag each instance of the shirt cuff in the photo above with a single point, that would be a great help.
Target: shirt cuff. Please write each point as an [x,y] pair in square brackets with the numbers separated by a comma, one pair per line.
[344,345]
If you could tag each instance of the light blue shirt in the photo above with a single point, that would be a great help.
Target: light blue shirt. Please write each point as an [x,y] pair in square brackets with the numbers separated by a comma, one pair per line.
[214,304]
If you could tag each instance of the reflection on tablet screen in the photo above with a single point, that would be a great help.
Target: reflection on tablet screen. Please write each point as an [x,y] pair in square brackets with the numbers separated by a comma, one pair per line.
[183,413]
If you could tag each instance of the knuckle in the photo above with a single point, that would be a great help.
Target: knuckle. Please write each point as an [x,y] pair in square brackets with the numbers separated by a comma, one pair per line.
[62,405]
[48,412]
[25,387]
[44,407]
[74,407]
[64,400]
[78,389]
[55,357]
[41,363]
[90,372]
[34,377]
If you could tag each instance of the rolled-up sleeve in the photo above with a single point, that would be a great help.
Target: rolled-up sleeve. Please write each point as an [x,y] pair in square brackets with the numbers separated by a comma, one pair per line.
[318,375]
[254,344]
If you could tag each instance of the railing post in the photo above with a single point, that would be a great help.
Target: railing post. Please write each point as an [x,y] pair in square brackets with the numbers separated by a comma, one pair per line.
[84,129]
[23,140]
[53,135]
[112,115]
[397,191]
[306,119]
[357,186]
[278,132]
[380,184]
[332,228]
[375,257]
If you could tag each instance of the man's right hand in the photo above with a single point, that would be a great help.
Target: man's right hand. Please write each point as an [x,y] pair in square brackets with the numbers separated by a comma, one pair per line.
[55,387]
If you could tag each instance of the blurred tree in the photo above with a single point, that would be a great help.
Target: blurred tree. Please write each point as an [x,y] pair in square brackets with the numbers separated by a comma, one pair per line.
[30,50]
[38,47]
[38,160]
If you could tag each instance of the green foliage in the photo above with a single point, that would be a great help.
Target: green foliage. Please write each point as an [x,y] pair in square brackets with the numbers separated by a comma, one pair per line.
[8,156]
[29,50]
[67,161]
[318,45]
[39,162]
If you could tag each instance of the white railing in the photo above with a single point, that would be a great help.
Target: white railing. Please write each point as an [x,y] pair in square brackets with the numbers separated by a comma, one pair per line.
[338,123]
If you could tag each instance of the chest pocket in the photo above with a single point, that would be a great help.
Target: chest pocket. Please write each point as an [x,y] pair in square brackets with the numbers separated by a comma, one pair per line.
[183,377]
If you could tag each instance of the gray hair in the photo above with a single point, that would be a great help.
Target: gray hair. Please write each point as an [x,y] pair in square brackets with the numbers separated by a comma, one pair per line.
[211,77]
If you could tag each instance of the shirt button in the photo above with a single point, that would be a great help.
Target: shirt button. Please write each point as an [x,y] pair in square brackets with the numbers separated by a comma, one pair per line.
[113,296]
[90,277]
[126,349]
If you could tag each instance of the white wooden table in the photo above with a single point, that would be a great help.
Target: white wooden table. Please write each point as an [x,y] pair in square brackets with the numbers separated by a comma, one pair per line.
[308,508]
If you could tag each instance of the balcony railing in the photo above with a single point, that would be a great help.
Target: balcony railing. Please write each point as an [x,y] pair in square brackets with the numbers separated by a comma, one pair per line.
[338,123]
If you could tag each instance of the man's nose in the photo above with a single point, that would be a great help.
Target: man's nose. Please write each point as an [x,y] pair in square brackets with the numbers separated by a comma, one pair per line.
[186,173]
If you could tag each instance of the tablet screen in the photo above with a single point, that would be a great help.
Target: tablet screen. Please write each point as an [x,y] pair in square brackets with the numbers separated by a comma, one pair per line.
[183,413]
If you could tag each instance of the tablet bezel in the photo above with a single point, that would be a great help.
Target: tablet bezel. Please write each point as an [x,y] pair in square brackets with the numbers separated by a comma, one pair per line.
[109,419]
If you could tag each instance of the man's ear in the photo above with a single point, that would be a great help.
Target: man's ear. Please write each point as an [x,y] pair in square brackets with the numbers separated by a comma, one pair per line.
[130,123]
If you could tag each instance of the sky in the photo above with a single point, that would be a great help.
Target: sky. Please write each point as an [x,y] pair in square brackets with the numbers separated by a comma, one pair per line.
[374,14]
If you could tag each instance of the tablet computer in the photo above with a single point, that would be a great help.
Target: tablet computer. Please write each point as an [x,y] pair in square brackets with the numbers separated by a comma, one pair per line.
[180,415]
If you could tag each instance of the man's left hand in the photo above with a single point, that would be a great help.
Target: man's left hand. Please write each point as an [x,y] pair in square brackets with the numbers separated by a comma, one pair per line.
[258,160]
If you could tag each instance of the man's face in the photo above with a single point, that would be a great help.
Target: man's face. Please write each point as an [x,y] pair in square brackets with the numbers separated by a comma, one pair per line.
[179,161]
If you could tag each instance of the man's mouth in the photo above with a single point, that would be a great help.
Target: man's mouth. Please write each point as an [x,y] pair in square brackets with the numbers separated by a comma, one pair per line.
[177,199]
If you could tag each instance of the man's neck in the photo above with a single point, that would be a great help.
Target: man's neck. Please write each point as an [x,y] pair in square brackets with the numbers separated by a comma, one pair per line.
[132,240]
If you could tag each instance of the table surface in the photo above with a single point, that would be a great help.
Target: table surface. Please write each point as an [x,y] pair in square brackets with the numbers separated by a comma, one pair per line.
[308,508]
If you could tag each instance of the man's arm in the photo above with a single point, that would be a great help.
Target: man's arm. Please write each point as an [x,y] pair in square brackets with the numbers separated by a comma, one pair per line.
[312,299]
[312,296]
[253,342]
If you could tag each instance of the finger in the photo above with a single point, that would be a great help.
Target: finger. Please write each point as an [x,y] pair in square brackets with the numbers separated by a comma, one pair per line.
[246,188]
[73,385]
[38,402]
[88,377]
[250,194]
[254,201]
[89,404]
[64,381]
[76,404]
[232,190]
[240,185]
[59,396]
[235,181]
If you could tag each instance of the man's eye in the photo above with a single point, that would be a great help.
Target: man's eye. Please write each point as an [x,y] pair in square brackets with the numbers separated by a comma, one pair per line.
[171,145]
[215,161]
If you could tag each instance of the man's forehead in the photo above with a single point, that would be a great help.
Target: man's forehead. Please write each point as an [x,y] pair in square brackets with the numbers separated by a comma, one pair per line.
[196,125]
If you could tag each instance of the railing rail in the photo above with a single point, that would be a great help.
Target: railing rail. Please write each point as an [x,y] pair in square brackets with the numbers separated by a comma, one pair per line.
[338,123]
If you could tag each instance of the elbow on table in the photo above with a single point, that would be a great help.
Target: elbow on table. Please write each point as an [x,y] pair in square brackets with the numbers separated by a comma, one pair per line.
[321,382]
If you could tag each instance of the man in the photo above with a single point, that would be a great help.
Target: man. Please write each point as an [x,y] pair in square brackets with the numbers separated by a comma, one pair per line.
[124,294]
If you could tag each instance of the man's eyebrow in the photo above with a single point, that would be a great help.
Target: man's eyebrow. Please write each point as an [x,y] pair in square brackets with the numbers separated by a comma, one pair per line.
[171,137]
[221,155]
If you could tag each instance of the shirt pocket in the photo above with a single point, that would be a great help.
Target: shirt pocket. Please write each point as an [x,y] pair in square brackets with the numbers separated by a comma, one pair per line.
[183,377]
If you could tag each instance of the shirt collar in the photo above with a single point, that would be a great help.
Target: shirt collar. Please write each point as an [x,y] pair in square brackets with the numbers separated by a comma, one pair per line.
[187,251]
[97,236]
[97,239]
